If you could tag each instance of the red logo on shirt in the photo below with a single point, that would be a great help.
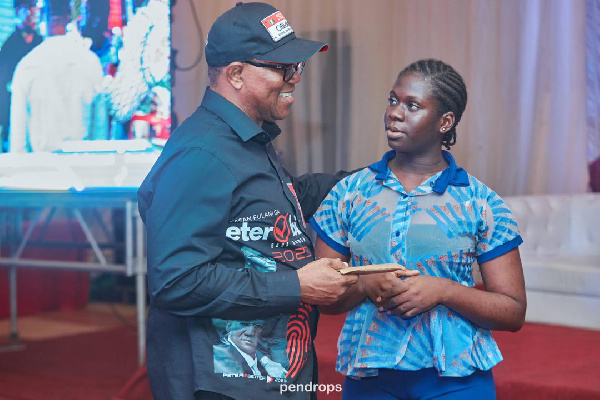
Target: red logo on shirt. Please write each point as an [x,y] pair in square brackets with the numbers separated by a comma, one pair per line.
[281,229]
[291,187]
[299,341]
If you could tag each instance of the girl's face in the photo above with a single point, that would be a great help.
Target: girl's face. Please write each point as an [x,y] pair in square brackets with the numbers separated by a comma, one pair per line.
[413,123]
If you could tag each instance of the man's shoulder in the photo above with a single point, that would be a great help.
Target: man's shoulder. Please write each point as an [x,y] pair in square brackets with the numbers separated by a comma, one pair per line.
[224,349]
[202,129]
[10,41]
[199,143]
[36,55]
[227,359]
[29,62]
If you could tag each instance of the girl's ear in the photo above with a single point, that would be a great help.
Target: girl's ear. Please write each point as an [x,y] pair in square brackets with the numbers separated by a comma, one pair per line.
[446,122]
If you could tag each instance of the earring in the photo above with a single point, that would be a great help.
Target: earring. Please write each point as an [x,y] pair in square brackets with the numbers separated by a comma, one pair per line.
[443,129]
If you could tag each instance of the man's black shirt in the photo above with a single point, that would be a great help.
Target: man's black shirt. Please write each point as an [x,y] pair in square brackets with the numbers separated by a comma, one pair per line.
[226,234]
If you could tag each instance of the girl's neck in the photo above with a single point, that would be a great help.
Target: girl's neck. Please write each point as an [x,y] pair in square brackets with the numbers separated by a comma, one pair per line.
[422,164]
[412,171]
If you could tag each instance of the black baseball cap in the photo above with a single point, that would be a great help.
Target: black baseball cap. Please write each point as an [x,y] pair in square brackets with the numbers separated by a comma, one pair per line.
[256,31]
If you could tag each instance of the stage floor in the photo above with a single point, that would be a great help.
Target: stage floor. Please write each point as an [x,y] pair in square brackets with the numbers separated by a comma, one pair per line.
[90,353]
[95,317]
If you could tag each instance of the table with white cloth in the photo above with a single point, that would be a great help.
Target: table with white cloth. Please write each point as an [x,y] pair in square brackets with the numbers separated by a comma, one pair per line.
[86,181]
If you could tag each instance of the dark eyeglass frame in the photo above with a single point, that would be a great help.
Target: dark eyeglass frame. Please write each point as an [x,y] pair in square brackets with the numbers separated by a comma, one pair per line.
[288,69]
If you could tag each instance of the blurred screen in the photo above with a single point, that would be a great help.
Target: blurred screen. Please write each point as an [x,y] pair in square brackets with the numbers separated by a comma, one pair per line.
[131,39]
[137,70]
[108,137]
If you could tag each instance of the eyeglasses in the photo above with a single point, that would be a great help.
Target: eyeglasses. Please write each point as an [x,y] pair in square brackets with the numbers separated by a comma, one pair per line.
[288,69]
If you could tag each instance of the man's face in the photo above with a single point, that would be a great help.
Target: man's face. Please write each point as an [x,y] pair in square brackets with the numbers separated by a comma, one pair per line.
[265,96]
[245,336]
[27,16]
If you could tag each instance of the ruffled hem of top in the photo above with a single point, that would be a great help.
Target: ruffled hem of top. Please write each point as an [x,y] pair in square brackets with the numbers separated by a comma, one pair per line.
[439,338]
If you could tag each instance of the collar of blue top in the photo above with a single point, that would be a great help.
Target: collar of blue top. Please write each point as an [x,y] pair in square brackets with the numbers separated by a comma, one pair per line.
[452,175]
[238,120]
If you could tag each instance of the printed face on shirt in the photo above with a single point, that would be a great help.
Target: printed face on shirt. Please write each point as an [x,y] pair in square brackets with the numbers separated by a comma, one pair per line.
[412,121]
[266,97]
[245,335]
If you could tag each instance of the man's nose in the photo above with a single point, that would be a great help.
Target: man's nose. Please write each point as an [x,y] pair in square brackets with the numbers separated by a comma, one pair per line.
[251,331]
[295,79]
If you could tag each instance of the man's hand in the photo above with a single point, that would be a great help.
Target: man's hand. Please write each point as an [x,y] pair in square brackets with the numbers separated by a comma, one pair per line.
[321,283]
[273,368]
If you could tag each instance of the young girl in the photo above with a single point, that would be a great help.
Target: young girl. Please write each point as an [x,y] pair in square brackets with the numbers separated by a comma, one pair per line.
[427,335]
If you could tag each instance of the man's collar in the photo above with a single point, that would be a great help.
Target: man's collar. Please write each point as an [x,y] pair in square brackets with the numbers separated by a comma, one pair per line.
[452,175]
[238,120]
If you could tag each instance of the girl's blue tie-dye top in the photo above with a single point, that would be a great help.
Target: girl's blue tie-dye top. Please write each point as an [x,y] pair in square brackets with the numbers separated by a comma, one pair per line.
[440,228]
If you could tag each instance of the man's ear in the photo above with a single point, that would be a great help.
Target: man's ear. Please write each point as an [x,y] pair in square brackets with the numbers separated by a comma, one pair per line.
[233,74]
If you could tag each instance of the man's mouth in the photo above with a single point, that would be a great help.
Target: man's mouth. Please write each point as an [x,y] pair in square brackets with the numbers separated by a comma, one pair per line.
[285,94]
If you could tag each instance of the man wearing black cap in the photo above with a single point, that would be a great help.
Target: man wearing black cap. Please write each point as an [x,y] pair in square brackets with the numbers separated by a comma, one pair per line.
[226,226]
[16,46]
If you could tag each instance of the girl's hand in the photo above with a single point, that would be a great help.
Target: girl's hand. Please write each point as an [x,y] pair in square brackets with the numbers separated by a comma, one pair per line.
[412,296]
[376,285]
